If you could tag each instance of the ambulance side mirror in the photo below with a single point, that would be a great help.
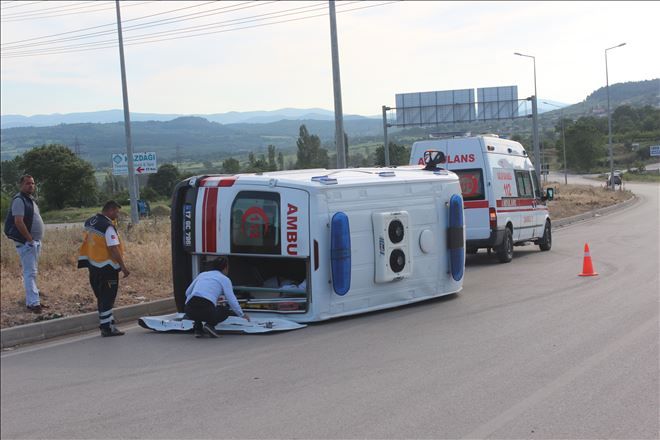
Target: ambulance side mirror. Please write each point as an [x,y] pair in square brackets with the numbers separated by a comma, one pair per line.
[549,194]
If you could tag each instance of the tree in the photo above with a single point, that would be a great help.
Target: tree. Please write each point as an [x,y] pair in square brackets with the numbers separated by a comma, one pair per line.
[310,154]
[280,160]
[584,144]
[112,185]
[231,166]
[272,164]
[11,171]
[256,165]
[164,180]
[399,155]
[62,177]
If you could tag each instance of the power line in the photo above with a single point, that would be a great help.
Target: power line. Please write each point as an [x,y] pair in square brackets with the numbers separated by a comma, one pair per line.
[21,4]
[151,40]
[106,25]
[39,17]
[259,17]
[146,25]
[56,9]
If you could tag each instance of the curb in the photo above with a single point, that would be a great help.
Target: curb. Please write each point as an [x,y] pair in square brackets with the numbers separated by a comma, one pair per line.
[39,331]
[559,223]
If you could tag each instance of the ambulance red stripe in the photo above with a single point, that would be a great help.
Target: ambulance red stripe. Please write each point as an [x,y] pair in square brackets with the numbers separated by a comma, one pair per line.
[204,219]
[471,204]
[511,203]
[211,204]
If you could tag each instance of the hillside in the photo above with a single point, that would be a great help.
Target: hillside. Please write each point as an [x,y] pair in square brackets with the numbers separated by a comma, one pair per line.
[193,138]
[634,94]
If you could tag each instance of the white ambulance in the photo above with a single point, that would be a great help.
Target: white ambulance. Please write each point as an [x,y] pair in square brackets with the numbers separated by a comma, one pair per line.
[504,204]
[310,245]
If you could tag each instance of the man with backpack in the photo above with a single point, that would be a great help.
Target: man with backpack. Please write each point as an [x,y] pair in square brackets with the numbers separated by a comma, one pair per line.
[26,228]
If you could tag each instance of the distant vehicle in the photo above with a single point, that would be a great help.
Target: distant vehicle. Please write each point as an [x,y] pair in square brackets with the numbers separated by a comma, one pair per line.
[617,178]
[504,203]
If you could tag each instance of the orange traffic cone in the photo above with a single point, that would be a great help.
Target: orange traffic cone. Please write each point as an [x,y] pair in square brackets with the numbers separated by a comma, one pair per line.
[587,265]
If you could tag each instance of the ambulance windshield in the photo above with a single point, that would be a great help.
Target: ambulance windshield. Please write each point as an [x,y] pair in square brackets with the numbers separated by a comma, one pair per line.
[255,223]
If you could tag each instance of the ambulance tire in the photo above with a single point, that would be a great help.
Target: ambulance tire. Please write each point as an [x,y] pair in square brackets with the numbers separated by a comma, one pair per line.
[545,243]
[505,250]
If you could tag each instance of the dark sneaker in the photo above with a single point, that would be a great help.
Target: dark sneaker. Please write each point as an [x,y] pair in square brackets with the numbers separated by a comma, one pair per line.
[112,331]
[210,331]
[35,308]
[199,333]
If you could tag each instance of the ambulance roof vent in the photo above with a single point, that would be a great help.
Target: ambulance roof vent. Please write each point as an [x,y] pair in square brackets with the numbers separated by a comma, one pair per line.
[324,180]
[441,172]
[386,174]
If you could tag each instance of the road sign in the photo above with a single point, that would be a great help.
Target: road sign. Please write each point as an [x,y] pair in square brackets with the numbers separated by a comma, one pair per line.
[655,150]
[143,163]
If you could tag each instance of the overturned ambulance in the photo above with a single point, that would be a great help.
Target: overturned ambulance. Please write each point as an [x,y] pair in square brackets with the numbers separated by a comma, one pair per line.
[310,245]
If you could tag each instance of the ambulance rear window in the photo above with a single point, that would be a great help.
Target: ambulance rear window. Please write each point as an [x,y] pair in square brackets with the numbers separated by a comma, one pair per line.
[472,184]
[255,223]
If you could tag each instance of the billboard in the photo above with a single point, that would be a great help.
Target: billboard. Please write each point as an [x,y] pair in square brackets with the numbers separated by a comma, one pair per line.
[423,108]
[497,103]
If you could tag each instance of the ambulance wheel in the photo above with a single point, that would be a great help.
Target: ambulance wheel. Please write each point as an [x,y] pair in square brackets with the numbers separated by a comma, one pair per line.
[545,243]
[505,250]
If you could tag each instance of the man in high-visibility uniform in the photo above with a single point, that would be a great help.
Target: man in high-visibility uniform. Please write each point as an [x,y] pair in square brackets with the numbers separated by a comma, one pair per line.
[103,254]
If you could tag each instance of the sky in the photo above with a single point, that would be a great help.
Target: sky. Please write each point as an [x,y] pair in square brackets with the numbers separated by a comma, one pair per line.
[247,63]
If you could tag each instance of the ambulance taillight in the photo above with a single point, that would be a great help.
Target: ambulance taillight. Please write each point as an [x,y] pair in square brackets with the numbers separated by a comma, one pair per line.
[492,217]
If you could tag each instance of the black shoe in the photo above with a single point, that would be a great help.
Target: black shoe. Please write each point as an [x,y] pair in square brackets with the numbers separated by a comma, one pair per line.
[112,331]
[35,309]
[199,333]
[210,331]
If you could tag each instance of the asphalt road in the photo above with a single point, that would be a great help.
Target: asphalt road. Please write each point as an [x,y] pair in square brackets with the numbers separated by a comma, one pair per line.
[527,350]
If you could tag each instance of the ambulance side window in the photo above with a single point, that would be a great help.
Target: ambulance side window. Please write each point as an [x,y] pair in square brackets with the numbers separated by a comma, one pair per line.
[255,223]
[524,183]
[472,184]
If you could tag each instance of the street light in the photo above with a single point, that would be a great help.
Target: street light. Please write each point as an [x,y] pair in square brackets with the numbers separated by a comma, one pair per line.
[535,120]
[609,116]
[563,137]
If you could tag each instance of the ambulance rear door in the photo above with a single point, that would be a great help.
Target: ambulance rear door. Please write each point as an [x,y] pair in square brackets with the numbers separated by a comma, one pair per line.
[465,158]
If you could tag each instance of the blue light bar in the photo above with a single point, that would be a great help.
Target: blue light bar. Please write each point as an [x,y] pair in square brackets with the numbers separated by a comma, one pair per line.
[340,253]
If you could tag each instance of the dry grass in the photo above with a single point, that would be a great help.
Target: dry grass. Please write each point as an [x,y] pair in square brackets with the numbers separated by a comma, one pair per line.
[148,257]
[577,199]
[149,260]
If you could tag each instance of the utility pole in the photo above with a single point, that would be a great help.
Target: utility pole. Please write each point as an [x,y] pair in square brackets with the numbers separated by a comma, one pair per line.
[386,146]
[132,181]
[76,147]
[609,116]
[336,82]
[535,121]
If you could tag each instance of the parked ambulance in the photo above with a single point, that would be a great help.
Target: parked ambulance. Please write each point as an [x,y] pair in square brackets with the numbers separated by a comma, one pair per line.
[310,245]
[504,204]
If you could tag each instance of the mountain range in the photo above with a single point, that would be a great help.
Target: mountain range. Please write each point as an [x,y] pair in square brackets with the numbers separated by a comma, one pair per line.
[198,138]
[110,116]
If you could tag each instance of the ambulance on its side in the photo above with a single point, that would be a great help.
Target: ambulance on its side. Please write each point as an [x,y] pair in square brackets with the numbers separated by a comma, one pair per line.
[310,245]
[504,203]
